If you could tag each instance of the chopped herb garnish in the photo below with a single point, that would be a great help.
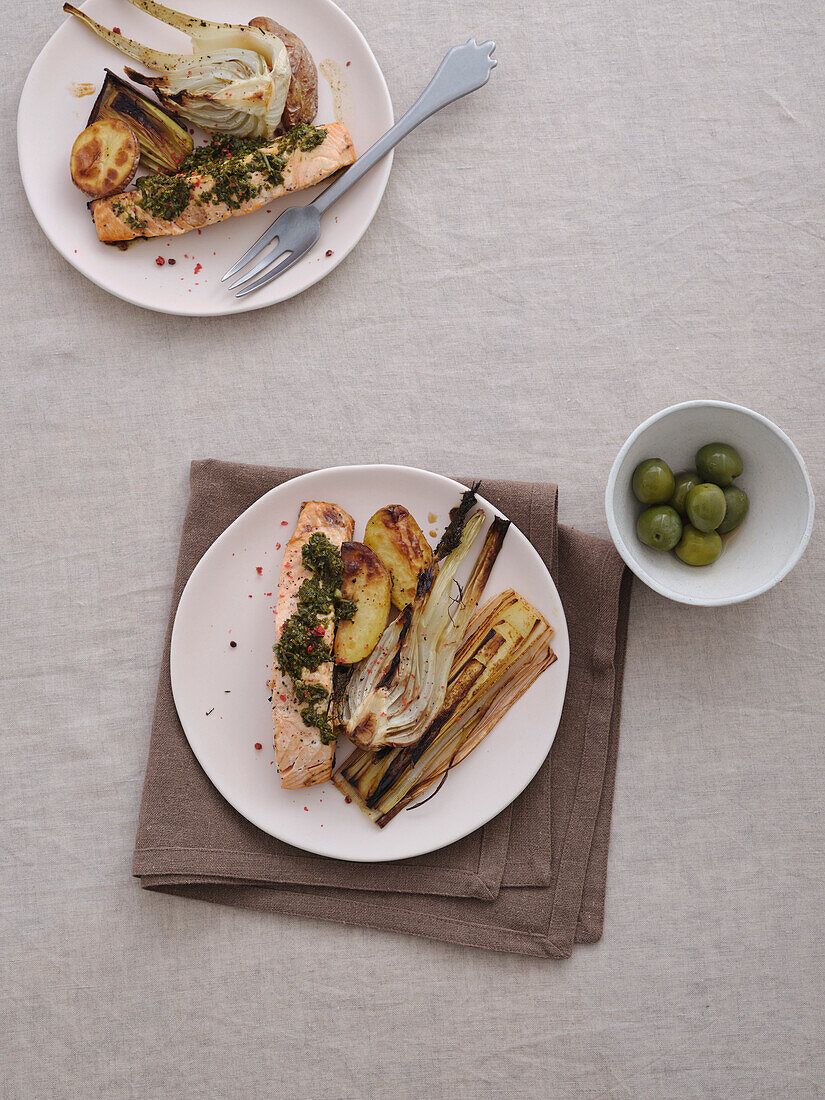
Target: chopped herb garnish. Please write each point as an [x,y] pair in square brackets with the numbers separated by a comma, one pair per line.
[235,170]
[304,137]
[319,555]
[164,196]
[301,647]
[311,696]
[345,609]
[127,214]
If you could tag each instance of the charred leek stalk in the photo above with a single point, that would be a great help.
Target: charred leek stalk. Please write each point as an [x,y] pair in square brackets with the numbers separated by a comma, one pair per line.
[506,648]
[396,692]
[234,82]
[163,143]
[458,517]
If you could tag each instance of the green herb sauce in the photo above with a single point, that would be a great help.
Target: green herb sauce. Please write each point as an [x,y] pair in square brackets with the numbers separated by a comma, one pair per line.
[301,647]
[127,215]
[163,196]
[239,168]
[304,137]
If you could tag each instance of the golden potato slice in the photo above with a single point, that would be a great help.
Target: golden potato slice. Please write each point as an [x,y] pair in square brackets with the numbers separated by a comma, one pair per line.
[400,544]
[367,581]
[104,158]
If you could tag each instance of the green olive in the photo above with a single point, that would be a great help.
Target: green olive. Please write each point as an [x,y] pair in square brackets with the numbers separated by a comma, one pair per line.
[684,483]
[653,481]
[659,527]
[706,506]
[718,463]
[698,547]
[737,508]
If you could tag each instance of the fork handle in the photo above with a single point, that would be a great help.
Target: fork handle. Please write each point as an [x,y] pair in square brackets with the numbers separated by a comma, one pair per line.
[463,70]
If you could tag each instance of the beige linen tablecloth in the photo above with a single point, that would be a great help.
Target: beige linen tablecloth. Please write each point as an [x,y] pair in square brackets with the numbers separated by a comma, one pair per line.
[630,214]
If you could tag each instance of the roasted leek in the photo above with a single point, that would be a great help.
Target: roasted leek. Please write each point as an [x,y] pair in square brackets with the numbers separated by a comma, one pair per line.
[163,142]
[506,648]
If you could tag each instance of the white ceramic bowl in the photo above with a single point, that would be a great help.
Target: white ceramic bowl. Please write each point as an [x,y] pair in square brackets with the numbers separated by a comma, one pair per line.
[774,534]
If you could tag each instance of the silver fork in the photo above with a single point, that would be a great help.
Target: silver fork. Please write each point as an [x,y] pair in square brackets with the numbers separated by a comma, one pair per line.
[463,70]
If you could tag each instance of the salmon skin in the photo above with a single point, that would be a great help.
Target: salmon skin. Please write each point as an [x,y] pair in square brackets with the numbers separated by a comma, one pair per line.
[122,218]
[303,759]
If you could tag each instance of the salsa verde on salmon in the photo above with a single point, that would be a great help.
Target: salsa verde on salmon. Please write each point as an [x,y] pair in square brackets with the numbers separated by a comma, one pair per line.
[309,605]
[228,177]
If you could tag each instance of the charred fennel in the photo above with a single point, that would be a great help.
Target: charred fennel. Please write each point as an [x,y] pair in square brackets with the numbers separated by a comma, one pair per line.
[235,81]
[506,648]
[396,692]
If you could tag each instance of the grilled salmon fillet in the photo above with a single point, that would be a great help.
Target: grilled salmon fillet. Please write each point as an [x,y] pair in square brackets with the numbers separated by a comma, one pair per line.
[303,759]
[122,218]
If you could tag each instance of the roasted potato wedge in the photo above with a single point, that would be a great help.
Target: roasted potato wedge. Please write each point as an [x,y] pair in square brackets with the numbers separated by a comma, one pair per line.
[400,544]
[104,158]
[367,581]
[302,97]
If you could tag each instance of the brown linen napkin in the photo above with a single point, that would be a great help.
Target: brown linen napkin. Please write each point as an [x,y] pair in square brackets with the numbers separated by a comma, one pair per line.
[499,888]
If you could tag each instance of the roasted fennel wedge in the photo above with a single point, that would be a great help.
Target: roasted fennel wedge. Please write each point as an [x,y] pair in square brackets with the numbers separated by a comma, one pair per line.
[505,649]
[393,695]
[235,80]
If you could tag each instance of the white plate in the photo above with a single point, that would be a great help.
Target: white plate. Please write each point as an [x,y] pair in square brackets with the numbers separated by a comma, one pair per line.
[50,117]
[771,539]
[227,600]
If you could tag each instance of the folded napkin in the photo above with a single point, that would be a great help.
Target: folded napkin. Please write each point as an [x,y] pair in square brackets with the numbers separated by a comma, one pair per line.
[531,881]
